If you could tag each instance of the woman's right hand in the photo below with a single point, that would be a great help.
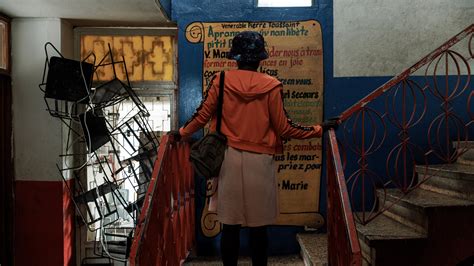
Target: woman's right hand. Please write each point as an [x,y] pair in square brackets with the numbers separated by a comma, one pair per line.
[331,123]
[175,134]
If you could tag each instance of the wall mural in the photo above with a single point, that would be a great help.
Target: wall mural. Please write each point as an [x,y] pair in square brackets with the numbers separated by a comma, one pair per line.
[296,59]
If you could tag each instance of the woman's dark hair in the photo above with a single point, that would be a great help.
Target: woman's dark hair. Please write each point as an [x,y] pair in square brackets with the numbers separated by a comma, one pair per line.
[248,65]
[248,46]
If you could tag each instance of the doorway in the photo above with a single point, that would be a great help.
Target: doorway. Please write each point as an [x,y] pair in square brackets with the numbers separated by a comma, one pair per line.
[150,66]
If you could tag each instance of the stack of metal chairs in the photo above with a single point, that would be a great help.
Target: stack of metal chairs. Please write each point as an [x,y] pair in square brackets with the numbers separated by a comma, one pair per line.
[107,160]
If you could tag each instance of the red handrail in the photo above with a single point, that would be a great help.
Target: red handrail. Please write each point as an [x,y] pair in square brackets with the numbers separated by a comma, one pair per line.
[366,139]
[343,243]
[390,84]
[368,132]
[413,106]
[165,230]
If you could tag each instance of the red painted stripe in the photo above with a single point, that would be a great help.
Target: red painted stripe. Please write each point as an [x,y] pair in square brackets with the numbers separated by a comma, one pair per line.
[6,172]
[68,225]
[44,224]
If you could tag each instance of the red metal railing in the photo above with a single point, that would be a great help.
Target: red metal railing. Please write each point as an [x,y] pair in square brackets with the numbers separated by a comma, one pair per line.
[412,120]
[343,244]
[415,119]
[165,230]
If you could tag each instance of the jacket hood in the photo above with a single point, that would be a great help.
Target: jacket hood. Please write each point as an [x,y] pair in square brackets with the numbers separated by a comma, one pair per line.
[248,84]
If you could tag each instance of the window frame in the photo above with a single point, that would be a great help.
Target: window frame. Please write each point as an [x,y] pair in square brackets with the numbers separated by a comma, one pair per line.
[6,44]
[143,88]
[119,31]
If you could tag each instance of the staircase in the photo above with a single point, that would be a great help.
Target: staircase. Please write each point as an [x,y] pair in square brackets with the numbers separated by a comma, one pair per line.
[412,213]
[433,225]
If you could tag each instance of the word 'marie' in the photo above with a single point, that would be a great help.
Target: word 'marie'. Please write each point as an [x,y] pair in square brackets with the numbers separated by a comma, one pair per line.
[288,185]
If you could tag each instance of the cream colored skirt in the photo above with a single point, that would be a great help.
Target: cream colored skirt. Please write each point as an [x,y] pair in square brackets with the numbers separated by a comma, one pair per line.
[246,189]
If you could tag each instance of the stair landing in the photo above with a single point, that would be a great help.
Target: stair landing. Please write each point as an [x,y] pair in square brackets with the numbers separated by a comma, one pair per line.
[313,253]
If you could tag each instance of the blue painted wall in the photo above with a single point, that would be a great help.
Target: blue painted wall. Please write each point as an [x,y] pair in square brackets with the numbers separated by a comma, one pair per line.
[166,5]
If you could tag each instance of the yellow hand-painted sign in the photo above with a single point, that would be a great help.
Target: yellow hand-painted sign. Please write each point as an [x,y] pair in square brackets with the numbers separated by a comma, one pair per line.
[296,59]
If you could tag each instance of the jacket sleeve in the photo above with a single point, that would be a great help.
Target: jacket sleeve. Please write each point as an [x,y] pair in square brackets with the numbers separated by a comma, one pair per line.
[283,125]
[204,112]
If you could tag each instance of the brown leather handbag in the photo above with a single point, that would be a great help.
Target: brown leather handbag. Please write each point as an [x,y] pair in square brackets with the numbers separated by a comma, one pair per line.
[207,154]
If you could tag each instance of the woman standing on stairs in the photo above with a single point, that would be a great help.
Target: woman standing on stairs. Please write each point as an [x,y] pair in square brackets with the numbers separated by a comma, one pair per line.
[254,122]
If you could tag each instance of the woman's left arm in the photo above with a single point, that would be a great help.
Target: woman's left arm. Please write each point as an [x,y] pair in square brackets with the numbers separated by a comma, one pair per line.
[204,112]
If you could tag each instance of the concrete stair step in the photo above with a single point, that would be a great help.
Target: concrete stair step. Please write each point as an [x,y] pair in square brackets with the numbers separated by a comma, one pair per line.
[467,158]
[467,149]
[455,180]
[272,260]
[463,144]
[383,238]
[415,208]
[453,171]
[314,248]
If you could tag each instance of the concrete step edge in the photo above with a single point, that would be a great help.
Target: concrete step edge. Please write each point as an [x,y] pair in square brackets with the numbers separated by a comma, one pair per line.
[412,199]
[405,213]
[466,156]
[453,171]
[384,228]
[463,144]
[420,226]
[460,189]
[313,248]
[370,246]
[413,209]
[465,161]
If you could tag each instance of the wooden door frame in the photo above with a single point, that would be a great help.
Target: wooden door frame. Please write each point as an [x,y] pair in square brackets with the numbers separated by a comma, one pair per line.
[6,161]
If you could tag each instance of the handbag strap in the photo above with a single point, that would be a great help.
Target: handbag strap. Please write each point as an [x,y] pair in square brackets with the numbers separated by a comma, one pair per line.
[220,101]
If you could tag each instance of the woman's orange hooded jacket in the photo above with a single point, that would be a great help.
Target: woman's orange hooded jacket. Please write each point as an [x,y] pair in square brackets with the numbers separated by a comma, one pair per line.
[253,115]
